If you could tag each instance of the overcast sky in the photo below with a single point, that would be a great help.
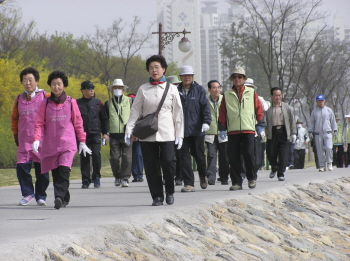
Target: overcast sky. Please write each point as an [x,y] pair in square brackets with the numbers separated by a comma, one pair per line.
[80,16]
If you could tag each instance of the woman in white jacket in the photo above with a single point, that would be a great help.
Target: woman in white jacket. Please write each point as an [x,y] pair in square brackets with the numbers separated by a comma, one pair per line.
[158,150]
[300,144]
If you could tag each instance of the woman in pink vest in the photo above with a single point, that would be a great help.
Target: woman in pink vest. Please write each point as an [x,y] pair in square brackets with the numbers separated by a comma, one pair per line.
[59,124]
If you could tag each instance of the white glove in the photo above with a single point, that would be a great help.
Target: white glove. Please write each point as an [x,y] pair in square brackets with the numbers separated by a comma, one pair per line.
[83,148]
[127,138]
[35,146]
[262,135]
[178,142]
[294,138]
[205,127]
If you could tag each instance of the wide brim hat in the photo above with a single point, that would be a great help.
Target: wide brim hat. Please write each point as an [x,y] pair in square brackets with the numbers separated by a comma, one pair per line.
[173,79]
[238,70]
[117,82]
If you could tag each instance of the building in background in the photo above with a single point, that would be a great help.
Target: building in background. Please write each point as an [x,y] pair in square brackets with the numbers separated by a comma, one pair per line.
[175,15]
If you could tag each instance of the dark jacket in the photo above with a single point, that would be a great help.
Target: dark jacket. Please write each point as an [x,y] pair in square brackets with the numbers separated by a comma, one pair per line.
[95,120]
[196,109]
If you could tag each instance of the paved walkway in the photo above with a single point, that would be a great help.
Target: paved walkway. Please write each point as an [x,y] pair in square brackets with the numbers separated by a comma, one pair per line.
[91,208]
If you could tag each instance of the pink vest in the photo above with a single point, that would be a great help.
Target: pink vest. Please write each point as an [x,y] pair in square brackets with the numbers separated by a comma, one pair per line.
[59,140]
[27,113]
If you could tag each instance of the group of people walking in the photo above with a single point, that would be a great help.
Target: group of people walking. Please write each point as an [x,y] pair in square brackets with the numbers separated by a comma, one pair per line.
[49,128]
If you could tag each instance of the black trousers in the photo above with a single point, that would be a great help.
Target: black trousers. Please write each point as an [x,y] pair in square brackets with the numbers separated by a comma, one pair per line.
[241,144]
[193,145]
[277,150]
[158,155]
[299,159]
[338,156]
[94,144]
[178,175]
[60,178]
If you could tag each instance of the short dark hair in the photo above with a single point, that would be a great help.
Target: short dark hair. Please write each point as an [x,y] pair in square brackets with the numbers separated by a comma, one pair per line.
[156,58]
[29,70]
[275,89]
[56,75]
[212,81]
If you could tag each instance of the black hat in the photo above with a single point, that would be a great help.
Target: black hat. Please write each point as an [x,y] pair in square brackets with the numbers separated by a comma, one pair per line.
[87,85]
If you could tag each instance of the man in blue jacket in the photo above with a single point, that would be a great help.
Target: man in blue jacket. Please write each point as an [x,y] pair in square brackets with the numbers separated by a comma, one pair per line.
[197,120]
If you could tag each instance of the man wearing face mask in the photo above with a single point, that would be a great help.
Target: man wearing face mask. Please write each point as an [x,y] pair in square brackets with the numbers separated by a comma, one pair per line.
[118,111]
[300,144]
[95,122]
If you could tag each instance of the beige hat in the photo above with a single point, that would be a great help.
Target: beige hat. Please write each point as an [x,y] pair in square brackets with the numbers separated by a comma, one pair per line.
[117,82]
[238,70]
[173,79]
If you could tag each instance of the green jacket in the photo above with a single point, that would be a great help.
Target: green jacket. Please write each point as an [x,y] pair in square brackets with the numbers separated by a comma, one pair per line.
[240,115]
[213,128]
[116,125]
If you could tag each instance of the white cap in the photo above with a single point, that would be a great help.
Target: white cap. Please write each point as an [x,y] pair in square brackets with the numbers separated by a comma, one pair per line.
[186,70]
[117,82]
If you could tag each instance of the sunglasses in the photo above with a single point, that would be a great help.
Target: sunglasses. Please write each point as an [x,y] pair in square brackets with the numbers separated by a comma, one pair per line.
[237,76]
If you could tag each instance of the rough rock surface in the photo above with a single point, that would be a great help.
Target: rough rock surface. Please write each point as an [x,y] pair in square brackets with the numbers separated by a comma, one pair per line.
[298,223]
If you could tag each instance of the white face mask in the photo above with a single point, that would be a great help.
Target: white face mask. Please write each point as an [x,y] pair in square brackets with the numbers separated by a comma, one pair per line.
[298,125]
[118,92]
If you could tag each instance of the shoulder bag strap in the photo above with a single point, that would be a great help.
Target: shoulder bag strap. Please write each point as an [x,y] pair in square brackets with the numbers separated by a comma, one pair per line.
[163,98]
[115,107]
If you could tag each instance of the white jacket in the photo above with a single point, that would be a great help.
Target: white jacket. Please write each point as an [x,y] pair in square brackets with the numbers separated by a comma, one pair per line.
[170,117]
[302,137]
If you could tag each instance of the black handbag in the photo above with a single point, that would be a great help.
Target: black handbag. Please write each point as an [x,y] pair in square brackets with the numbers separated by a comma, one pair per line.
[148,125]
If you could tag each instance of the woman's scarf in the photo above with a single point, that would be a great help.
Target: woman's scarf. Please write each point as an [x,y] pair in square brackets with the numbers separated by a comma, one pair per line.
[60,99]
[161,80]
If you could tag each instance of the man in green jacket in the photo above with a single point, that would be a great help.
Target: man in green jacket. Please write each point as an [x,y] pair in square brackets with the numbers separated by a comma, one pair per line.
[215,145]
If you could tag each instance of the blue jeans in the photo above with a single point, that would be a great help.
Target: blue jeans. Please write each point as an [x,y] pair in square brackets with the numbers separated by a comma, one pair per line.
[26,182]
[137,160]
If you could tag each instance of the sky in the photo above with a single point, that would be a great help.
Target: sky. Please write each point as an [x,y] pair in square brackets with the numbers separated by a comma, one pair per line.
[80,16]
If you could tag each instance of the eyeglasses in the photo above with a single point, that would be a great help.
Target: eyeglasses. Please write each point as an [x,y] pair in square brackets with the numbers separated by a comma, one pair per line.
[28,80]
[154,68]
[237,76]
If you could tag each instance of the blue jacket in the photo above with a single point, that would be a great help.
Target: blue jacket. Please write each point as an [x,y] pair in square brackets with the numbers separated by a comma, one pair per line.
[196,109]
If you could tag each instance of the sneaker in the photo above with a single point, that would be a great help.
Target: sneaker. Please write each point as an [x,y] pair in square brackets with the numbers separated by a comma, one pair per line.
[272,174]
[117,182]
[178,182]
[281,178]
[58,203]
[321,169]
[203,181]
[125,183]
[86,184]
[251,184]
[330,166]
[236,187]
[188,188]
[26,200]
[41,202]
[97,183]
[291,166]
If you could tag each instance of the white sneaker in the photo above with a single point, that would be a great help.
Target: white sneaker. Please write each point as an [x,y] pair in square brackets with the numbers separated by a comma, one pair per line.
[125,183]
[330,166]
[321,169]
[41,202]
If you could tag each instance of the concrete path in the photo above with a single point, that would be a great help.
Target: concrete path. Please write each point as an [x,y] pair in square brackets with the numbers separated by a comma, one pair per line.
[91,208]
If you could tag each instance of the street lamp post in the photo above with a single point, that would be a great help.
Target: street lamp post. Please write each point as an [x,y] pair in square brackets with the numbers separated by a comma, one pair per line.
[184,44]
